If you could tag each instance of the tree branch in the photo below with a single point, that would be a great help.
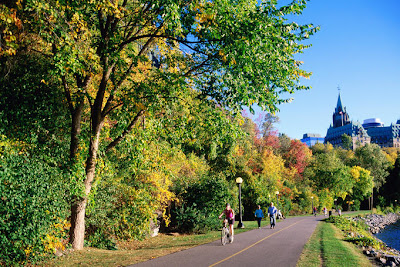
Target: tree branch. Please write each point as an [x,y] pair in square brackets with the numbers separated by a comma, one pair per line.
[198,66]
[68,94]
[125,132]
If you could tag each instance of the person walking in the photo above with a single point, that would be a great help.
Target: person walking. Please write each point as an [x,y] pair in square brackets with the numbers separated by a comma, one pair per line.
[272,215]
[259,215]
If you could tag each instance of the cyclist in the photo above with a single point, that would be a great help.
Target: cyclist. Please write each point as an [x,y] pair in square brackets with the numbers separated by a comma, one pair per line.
[230,216]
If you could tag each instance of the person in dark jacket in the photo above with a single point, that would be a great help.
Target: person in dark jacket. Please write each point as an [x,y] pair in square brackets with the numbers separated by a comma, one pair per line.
[272,215]
[259,215]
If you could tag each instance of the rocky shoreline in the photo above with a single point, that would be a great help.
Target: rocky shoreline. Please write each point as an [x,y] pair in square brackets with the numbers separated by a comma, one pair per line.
[376,223]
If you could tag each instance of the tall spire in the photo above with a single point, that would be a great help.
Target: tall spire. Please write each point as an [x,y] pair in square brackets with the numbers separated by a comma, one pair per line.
[340,116]
[339,106]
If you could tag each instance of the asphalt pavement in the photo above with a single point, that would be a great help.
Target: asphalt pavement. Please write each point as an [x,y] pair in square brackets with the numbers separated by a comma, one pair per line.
[281,246]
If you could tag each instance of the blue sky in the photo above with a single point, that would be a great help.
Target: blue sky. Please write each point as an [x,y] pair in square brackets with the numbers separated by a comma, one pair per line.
[357,49]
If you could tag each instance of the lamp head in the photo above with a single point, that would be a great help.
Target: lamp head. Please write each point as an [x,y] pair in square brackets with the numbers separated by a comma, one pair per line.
[239,180]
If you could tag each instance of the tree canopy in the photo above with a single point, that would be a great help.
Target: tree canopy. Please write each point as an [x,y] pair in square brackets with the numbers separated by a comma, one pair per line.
[121,61]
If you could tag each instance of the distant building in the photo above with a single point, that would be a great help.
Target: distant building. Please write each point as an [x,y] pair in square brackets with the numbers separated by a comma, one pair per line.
[342,125]
[371,131]
[388,136]
[374,122]
[311,139]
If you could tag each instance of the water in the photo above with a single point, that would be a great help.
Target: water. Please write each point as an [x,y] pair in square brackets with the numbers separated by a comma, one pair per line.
[391,235]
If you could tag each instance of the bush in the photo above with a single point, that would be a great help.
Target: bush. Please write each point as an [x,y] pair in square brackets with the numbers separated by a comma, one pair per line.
[201,203]
[192,220]
[32,207]
[365,241]
[388,210]
[356,231]
[100,239]
[120,211]
[356,205]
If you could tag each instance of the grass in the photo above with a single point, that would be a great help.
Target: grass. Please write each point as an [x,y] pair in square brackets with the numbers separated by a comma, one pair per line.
[326,247]
[137,251]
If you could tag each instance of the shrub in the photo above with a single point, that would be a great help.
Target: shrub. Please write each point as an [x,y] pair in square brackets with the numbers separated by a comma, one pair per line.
[32,207]
[120,211]
[201,203]
[357,231]
[365,241]
[388,210]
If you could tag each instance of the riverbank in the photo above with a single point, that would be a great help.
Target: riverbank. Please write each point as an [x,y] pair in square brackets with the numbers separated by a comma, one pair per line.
[377,222]
[386,256]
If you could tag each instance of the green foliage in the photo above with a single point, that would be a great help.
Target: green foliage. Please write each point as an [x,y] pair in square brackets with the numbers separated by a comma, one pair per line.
[200,203]
[100,239]
[122,66]
[347,224]
[32,101]
[365,241]
[356,231]
[347,142]
[193,220]
[372,158]
[119,210]
[391,189]
[33,206]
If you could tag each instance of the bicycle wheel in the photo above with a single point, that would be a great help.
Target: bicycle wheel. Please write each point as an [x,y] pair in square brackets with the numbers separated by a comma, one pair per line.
[224,236]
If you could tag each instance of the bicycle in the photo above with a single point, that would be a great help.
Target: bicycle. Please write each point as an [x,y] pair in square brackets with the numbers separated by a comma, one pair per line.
[225,235]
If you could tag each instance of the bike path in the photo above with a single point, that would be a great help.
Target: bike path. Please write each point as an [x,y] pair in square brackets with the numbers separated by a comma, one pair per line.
[281,246]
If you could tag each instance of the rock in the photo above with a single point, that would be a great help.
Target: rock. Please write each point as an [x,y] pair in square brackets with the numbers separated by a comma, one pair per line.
[154,229]
[392,260]
[155,226]
[58,253]
[382,260]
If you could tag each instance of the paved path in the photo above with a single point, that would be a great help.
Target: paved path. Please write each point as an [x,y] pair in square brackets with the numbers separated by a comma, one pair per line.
[281,246]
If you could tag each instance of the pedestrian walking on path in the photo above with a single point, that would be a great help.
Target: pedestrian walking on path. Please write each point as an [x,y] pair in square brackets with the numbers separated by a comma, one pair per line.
[272,215]
[259,215]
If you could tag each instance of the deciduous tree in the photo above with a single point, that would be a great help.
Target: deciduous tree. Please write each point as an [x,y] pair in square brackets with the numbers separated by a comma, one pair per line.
[120,60]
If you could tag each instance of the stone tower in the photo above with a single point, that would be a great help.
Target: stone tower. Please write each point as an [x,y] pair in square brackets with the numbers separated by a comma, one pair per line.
[340,116]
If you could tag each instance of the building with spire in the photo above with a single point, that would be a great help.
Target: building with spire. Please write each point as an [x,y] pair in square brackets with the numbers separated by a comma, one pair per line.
[343,126]
[371,131]
[340,116]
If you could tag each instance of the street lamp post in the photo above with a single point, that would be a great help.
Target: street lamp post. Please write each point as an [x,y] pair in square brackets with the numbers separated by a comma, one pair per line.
[336,204]
[239,181]
[277,199]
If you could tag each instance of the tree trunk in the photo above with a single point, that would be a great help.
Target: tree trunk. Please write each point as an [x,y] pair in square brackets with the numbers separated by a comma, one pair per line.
[78,208]
[77,230]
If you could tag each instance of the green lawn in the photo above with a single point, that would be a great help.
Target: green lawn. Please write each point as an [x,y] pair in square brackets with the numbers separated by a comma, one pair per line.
[327,248]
